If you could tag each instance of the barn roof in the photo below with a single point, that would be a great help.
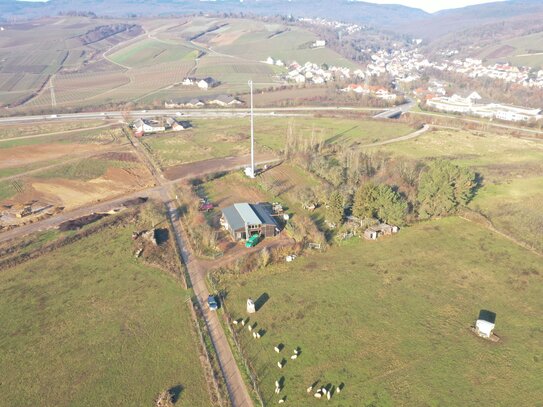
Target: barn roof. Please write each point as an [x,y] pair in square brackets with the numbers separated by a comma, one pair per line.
[240,214]
[264,214]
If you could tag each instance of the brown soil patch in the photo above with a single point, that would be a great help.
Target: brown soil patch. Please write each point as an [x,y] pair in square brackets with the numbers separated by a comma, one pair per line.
[118,156]
[503,51]
[201,168]
[228,193]
[23,155]
[227,38]
[74,193]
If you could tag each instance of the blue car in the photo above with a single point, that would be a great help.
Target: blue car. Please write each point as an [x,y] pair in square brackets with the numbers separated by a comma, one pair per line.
[212,303]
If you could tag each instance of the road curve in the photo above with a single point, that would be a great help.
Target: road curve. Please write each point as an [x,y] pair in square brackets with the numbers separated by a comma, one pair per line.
[409,136]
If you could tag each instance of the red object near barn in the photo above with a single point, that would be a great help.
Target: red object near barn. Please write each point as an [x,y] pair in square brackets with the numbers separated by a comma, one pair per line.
[206,207]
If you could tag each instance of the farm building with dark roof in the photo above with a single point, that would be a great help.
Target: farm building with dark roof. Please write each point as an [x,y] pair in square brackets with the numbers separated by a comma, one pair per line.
[243,220]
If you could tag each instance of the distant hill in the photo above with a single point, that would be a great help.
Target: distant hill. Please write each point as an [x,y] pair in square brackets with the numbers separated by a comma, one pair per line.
[385,16]
[449,22]
[481,25]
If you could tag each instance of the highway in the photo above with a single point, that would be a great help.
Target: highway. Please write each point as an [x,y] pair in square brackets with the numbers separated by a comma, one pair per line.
[395,112]
[204,113]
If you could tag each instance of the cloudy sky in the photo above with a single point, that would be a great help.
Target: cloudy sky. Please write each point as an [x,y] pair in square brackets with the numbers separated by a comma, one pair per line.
[433,5]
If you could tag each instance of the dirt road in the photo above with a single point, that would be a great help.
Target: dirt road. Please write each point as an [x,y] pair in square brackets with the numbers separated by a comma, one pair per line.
[409,136]
[106,205]
[215,165]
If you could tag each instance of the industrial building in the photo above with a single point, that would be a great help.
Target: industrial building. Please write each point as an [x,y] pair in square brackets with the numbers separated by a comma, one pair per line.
[471,105]
[243,220]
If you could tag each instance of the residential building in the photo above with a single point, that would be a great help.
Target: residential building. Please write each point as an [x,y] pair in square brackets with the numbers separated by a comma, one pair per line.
[208,83]
[177,125]
[225,101]
[147,126]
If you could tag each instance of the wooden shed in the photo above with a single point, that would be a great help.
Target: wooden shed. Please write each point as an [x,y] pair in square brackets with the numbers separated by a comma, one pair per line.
[383,229]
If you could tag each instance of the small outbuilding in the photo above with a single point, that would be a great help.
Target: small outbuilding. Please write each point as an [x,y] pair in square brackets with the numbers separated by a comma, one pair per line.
[251,308]
[484,328]
[485,324]
[383,229]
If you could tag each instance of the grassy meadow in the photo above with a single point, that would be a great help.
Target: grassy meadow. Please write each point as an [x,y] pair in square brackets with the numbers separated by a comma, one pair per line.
[46,127]
[226,137]
[521,50]
[390,319]
[511,171]
[89,325]
[151,51]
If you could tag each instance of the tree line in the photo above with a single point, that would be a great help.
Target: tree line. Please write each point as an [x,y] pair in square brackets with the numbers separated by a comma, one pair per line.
[376,185]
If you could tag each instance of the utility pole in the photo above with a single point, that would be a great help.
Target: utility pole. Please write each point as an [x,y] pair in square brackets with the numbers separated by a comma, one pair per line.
[251,172]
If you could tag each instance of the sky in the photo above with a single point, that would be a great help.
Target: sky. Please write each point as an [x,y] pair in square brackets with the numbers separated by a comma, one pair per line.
[432,6]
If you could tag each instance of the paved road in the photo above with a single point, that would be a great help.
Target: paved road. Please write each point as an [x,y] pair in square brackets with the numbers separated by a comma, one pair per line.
[163,191]
[484,123]
[237,389]
[203,113]
[396,111]
[234,382]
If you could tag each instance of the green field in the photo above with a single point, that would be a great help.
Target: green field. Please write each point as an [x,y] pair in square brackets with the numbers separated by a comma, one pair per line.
[89,325]
[522,50]
[256,41]
[84,170]
[515,208]
[151,51]
[39,128]
[8,172]
[227,137]
[99,136]
[511,174]
[390,319]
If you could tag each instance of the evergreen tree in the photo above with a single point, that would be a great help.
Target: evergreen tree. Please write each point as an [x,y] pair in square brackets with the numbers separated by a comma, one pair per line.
[334,213]
[443,187]
[364,201]
[390,206]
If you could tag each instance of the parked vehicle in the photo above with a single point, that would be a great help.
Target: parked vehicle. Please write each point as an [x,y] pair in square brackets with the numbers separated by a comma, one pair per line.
[212,303]
[252,241]
[206,207]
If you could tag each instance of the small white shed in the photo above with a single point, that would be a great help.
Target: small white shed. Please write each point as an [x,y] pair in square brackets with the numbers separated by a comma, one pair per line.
[484,328]
[251,306]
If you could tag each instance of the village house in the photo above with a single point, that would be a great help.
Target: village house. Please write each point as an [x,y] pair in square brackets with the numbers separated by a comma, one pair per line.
[319,43]
[143,126]
[194,103]
[175,125]
[225,101]
[207,83]
[375,91]
[242,220]
[189,81]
